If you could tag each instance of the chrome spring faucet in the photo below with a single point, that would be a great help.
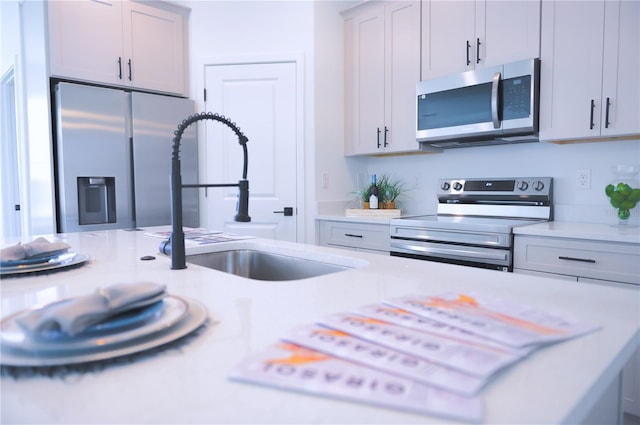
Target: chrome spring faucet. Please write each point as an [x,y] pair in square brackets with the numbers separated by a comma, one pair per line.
[175,246]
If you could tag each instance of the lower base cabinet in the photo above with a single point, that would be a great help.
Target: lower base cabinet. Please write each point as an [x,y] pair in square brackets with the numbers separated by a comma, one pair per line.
[370,237]
[590,262]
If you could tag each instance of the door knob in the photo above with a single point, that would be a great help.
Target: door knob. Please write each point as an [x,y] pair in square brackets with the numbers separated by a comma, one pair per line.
[288,211]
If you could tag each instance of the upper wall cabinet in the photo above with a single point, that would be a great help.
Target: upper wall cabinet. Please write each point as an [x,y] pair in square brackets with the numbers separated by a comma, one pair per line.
[458,36]
[590,69]
[382,57]
[122,43]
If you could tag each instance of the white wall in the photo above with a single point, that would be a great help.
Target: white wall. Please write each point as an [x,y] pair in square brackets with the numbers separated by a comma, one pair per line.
[24,45]
[9,33]
[335,175]
[530,159]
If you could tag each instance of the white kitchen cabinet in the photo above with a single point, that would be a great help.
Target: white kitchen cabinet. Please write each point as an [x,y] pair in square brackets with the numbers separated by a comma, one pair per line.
[121,43]
[372,237]
[589,70]
[382,55]
[590,262]
[609,261]
[458,36]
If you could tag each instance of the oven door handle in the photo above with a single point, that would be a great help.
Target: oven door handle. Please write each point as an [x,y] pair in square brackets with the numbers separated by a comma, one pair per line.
[454,251]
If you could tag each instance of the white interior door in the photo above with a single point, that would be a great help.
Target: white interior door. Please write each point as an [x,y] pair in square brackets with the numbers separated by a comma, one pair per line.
[261,99]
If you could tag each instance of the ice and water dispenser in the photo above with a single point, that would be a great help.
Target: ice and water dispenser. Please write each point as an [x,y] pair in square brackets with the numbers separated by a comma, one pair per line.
[96,200]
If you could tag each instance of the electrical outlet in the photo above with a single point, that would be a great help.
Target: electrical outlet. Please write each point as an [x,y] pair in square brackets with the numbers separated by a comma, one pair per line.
[325,180]
[583,179]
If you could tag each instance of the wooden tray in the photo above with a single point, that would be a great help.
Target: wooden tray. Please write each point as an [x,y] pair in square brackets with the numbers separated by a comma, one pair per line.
[360,212]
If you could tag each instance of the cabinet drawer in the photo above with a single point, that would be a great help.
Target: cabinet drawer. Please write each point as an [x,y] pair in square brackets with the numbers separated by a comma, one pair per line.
[354,235]
[582,258]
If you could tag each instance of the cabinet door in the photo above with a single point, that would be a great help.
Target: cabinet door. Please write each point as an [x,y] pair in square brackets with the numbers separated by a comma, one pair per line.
[448,29]
[621,69]
[368,81]
[85,40]
[590,67]
[507,31]
[402,51]
[154,48]
[571,69]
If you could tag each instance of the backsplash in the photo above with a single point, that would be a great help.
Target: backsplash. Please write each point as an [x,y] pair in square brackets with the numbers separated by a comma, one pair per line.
[560,161]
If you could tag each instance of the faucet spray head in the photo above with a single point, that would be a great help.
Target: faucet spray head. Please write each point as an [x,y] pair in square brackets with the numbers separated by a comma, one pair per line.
[243,202]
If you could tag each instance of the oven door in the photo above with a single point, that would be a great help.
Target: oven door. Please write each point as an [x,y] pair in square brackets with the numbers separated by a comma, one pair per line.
[499,258]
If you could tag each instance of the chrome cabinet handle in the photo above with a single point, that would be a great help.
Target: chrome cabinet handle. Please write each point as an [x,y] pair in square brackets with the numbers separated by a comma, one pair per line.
[386,131]
[350,235]
[494,100]
[129,62]
[593,107]
[478,50]
[378,128]
[120,67]
[468,59]
[606,115]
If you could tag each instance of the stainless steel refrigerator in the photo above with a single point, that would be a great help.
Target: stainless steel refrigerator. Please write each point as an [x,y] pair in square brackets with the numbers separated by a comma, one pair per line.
[113,154]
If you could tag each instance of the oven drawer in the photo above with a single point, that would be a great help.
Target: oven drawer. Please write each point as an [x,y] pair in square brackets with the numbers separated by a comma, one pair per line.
[360,236]
[581,258]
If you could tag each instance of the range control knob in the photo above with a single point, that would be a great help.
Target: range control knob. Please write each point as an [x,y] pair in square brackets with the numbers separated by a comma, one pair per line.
[445,186]
[523,186]
[457,186]
[538,186]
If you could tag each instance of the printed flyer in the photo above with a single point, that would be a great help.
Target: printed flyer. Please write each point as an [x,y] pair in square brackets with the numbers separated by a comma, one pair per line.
[348,347]
[427,354]
[289,366]
[401,317]
[509,323]
[477,360]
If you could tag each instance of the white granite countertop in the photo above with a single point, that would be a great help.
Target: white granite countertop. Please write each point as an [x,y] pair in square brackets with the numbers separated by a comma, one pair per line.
[188,384]
[588,231]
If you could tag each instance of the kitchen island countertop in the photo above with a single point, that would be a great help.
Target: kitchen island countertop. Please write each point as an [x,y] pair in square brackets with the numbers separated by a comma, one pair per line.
[560,383]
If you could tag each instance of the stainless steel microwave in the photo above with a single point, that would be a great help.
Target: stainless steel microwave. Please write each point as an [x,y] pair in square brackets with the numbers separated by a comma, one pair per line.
[493,105]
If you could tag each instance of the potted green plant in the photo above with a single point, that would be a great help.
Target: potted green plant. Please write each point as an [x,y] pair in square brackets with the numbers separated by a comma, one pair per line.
[391,189]
[364,194]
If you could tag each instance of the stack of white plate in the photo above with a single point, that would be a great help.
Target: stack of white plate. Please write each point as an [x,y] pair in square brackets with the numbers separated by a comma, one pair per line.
[127,333]
[44,262]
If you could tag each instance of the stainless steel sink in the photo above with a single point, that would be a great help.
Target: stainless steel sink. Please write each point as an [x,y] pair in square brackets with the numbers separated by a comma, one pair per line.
[260,265]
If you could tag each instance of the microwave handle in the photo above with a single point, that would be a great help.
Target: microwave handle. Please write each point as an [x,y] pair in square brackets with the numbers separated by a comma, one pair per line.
[494,100]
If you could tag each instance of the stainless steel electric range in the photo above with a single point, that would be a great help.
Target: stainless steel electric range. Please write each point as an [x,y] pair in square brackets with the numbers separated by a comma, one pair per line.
[474,221]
